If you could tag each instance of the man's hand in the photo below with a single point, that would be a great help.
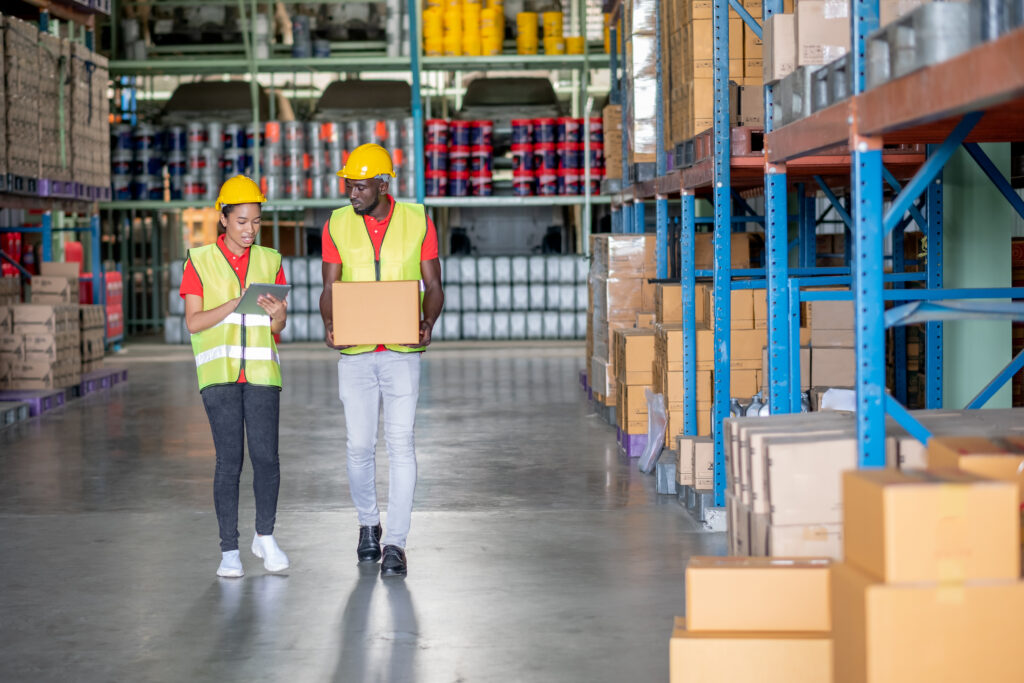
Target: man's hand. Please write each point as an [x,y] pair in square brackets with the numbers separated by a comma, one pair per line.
[330,338]
[425,330]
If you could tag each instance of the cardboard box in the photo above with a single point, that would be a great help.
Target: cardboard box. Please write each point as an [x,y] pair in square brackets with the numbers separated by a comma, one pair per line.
[635,356]
[744,383]
[906,526]
[53,290]
[925,632]
[821,339]
[804,477]
[833,367]
[12,347]
[831,315]
[668,303]
[36,374]
[684,464]
[35,319]
[741,309]
[999,458]
[745,247]
[697,657]
[43,348]
[779,47]
[751,104]
[703,463]
[743,529]
[822,31]
[376,312]
[758,594]
[795,540]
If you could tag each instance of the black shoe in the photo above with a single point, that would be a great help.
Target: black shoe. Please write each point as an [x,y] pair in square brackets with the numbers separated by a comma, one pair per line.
[394,563]
[368,549]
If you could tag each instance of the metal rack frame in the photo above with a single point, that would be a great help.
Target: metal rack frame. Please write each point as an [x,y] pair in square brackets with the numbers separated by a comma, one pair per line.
[803,156]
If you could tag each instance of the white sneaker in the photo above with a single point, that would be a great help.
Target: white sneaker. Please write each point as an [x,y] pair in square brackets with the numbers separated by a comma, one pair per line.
[265,548]
[230,565]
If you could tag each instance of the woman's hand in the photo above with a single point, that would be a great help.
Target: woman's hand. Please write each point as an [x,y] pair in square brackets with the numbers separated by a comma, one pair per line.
[276,308]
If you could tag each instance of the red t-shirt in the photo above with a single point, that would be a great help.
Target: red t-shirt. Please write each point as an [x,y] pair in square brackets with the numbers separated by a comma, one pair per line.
[191,284]
[376,229]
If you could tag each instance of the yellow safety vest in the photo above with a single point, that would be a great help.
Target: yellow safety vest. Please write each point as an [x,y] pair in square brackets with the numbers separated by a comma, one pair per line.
[239,342]
[399,253]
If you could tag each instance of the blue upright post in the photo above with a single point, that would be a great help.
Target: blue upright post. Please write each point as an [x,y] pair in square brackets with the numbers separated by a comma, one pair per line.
[99,289]
[417,100]
[868,263]
[627,204]
[722,240]
[776,231]
[661,163]
[47,236]
[899,333]
[808,228]
[933,277]
[688,282]
[639,216]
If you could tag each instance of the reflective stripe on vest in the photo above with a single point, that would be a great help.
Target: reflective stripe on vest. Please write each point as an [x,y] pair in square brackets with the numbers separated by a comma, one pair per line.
[400,253]
[238,341]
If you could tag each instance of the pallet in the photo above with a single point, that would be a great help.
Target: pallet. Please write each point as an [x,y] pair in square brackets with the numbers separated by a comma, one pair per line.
[631,445]
[104,378]
[39,401]
[12,412]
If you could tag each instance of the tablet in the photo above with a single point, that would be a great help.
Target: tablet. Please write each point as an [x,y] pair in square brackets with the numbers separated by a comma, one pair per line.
[248,305]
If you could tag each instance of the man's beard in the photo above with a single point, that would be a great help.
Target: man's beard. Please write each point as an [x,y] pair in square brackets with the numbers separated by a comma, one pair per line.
[368,210]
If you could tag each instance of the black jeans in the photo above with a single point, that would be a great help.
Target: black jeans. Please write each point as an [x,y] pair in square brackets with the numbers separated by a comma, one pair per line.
[234,411]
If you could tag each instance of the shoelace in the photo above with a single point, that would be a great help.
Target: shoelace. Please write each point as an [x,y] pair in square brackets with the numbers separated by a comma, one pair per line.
[367,534]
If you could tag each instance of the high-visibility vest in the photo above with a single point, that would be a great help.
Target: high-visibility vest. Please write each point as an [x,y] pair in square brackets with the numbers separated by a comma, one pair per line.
[239,342]
[399,253]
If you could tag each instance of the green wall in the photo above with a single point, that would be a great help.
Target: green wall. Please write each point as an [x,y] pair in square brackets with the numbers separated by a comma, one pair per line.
[978,223]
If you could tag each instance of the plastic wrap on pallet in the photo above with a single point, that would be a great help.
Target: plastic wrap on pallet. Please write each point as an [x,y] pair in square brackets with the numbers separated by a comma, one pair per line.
[485,270]
[469,325]
[517,325]
[538,298]
[503,297]
[470,299]
[485,326]
[485,298]
[453,298]
[502,270]
[22,97]
[520,269]
[623,255]
[643,17]
[520,297]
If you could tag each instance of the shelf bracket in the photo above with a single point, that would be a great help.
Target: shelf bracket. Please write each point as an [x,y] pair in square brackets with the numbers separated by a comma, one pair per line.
[996,176]
[903,417]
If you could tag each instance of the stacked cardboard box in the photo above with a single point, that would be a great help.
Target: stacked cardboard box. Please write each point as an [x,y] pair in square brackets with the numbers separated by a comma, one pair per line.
[612,121]
[21,90]
[634,358]
[54,123]
[696,464]
[90,110]
[3,109]
[822,29]
[92,323]
[10,291]
[754,620]
[43,346]
[619,272]
[930,558]
[833,358]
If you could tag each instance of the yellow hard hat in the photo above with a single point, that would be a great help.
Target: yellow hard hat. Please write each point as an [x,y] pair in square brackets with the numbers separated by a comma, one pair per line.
[367,161]
[240,190]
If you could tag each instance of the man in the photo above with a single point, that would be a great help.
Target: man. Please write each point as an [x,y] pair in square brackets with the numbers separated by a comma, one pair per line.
[377,238]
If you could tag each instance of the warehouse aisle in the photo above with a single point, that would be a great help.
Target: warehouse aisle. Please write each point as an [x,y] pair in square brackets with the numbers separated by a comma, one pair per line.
[535,555]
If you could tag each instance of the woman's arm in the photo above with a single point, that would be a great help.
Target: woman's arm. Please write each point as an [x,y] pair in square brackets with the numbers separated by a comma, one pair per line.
[198,320]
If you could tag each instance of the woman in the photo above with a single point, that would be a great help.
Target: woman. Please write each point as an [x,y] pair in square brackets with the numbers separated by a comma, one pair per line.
[237,363]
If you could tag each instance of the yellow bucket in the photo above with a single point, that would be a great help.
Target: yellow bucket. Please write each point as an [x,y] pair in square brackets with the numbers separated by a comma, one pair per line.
[452,22]
[471,19]
[453,44]
[471,46]
[526,33]
[453,4]
[552,22]
[554,46]
[574,45]
[433,22]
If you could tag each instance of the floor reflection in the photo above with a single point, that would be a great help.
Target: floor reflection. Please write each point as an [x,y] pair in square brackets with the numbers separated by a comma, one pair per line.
[379,642]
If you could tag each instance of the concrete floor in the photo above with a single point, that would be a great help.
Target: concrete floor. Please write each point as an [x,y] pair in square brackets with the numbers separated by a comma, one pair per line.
[536,553]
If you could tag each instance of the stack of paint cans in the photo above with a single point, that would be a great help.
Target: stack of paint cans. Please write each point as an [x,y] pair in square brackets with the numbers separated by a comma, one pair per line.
[175,146]
[201,180]
[595,129]
[522,157]
[459,158]
[147,167]
[326,144]
[122,158]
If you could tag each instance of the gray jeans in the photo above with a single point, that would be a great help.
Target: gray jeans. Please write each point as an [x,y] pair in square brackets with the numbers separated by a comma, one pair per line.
[237,410]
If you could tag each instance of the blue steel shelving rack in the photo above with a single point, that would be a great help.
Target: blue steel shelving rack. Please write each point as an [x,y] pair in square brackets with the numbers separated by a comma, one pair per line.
[782,283]
[984,107]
